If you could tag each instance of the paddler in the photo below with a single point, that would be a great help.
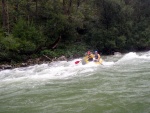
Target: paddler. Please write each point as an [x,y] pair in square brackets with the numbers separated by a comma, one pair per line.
[90,56]
[97,57]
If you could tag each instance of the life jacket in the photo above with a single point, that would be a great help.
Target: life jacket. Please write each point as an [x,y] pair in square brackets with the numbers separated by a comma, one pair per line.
[96,56]
[90,57]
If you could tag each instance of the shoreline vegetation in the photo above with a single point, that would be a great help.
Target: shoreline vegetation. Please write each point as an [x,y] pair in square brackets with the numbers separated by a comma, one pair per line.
[44,59]
[31,62]
[30,30]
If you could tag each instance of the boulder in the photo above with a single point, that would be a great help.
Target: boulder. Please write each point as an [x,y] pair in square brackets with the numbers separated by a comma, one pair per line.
[62,58]
[5,66]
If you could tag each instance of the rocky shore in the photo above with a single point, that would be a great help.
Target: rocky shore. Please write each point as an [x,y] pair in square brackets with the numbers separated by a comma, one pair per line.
[31,62]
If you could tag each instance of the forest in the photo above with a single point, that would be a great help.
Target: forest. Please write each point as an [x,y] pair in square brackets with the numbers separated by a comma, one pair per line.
[31,28]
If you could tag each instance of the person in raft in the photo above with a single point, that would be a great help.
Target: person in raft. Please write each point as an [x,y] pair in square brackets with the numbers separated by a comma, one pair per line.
[90,56]
[97,57]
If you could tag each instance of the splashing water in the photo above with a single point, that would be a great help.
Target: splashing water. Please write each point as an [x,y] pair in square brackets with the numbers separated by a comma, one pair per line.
[120,84]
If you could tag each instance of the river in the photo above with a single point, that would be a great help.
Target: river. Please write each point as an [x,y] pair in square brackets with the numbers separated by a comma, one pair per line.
[120,85]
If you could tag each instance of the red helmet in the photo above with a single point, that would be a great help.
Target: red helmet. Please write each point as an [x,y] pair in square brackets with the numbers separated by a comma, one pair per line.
[88,52]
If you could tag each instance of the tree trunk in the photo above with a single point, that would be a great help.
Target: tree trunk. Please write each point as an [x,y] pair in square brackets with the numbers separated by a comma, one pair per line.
[16,9]
[4,15]
[106,21]
[28,9]
[8,29]
[69,7]
[64,6]
[78,3]
[54,45]
[36,10]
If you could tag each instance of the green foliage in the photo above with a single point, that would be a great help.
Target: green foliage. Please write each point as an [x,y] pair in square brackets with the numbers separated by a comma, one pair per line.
[8,47]
[55,26]
[120,42]
[28,36]
[103,25]
[49,53]
[9,43]
[27,32]
[76,50]
[26,46]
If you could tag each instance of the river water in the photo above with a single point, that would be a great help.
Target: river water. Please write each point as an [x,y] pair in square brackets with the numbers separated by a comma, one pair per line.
[120,85]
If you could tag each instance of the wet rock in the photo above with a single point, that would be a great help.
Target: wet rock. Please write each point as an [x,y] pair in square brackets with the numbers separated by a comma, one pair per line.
[23,65]
[5,66]
[62,58]
[31,62]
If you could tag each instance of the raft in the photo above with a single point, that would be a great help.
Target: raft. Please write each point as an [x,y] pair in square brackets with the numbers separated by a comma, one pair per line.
[85,61]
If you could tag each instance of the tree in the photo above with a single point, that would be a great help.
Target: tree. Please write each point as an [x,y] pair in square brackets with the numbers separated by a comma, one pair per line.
[5,19]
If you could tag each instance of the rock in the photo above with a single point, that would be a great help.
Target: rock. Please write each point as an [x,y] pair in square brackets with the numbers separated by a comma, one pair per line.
[62,58]
[29,62]
[5,66]
[23,65]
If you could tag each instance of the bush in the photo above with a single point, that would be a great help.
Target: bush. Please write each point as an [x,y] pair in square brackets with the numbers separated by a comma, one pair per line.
[8,48]
[9,43]
[28,36]
[48,53]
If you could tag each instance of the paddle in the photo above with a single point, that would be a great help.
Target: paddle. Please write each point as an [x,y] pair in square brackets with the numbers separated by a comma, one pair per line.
[76,62]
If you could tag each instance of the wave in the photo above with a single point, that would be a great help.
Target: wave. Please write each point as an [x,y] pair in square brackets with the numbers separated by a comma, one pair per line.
[146,55]
[54,70]
[67,70]
[134,56]
[128,56]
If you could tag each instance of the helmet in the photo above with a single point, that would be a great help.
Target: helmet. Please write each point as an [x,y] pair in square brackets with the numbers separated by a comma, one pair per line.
[88,52]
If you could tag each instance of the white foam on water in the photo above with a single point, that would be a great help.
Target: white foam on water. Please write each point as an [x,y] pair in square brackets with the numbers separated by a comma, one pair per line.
[54,70]
[108,63]
[145,55]
[61,69]
[128,56]
[132,56]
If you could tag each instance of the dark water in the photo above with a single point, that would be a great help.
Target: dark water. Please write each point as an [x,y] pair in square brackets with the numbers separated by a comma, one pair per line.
[120,85]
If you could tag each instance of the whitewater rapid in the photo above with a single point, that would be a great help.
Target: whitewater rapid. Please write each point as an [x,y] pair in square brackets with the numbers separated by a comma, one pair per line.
[65,70]
[120,84]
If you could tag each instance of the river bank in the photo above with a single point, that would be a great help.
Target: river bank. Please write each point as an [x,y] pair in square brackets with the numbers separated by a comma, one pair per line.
[46,59]
[31,62]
